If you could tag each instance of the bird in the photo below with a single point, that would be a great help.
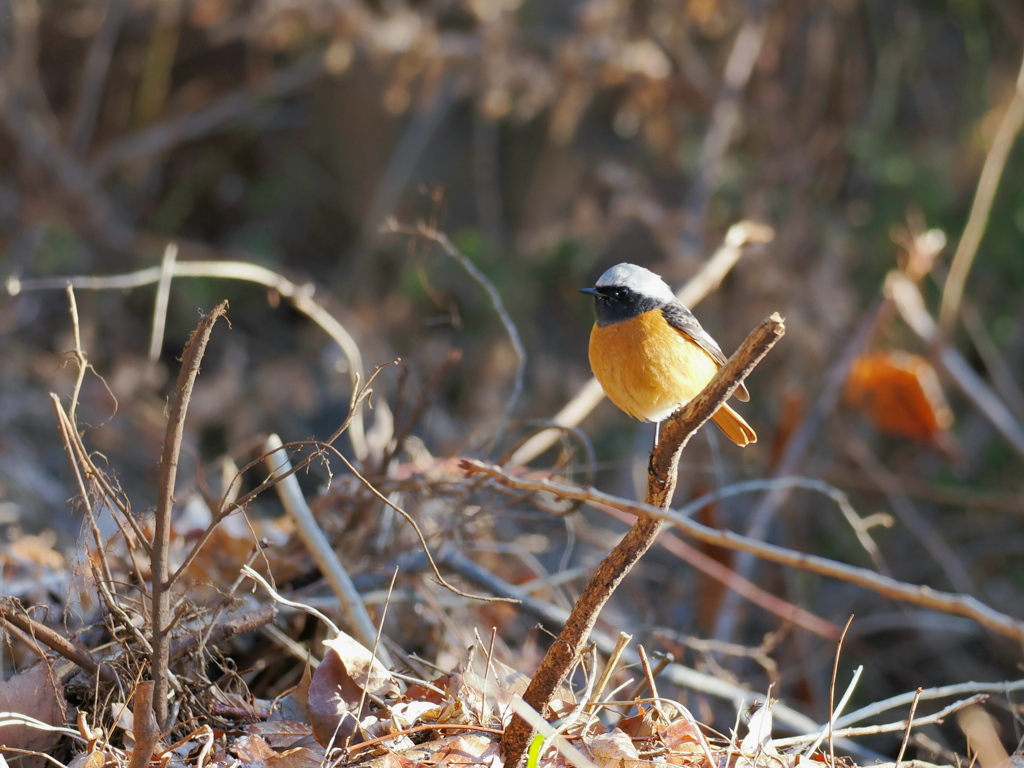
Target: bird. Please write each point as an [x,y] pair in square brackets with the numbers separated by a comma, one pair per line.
[650,354]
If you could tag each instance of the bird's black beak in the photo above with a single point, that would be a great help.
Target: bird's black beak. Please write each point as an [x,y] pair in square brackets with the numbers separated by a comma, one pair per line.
[590,291]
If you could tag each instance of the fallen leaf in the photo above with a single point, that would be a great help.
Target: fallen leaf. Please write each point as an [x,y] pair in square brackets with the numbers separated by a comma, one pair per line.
[341,683]
[251,749]
[613,749]
[32,693]
[89,760]
[900,393]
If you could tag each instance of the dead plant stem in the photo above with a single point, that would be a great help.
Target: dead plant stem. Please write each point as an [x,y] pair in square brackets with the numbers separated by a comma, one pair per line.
[161,613]
[984,196]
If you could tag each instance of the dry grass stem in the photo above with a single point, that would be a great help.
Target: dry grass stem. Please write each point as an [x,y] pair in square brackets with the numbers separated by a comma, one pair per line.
[362,626]
[301,297]
[910,725]
[984,196]
[901,726]
[610,667]
[436,236]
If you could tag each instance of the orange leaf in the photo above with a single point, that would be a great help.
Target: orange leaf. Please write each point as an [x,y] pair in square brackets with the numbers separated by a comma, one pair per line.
[901,395]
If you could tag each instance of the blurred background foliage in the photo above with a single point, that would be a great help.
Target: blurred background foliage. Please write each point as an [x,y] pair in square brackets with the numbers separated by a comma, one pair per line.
[549,139]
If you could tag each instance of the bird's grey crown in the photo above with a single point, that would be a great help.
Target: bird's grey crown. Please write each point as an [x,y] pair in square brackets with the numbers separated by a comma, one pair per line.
[638,280]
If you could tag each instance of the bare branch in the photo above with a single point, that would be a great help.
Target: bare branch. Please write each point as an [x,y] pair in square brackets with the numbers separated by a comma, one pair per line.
[563,653]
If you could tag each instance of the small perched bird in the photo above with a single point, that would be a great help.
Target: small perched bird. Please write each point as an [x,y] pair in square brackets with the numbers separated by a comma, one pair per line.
[650,354]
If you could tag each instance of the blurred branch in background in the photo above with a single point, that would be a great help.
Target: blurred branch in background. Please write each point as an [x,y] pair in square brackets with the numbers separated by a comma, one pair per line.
[988,185]
[301,297]
[725,120]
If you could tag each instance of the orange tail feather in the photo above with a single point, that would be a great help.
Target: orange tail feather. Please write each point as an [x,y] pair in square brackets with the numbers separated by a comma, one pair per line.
[735,428]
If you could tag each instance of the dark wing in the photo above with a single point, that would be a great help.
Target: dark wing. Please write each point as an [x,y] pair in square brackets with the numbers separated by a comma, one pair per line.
[682,319]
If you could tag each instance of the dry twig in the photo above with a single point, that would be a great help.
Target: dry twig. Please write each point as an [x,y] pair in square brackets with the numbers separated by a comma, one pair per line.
[161,583]
[301,296]
[984,196]
[959,605]
[363,628]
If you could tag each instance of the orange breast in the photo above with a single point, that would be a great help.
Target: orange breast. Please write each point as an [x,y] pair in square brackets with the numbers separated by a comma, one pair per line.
[646,367]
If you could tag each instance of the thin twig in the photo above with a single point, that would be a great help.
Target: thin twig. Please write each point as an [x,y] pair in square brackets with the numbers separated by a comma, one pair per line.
[441,239]
[277,597]
[872,730]
[928,694]
[11,612]
[959,605]
[988,184]
[75,452]
[419,533]
[191,359]
[609,668]
[910,725]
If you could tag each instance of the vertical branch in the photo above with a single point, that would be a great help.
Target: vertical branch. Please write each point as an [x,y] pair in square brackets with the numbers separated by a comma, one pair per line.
[991,173]
[192,357]
[661,482]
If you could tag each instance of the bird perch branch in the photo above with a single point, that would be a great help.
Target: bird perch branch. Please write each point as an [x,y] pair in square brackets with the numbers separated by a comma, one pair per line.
[561,657]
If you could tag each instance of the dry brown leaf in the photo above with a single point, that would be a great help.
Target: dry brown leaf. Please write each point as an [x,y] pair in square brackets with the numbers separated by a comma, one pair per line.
[252,749]
[32,693]
[641,725]
[395,760]
[300,757]
[614,749]
[342,681]
[280,733]
[466,749]
[363,668]
[295,705]
[684,742]
[89,760]
[901,394]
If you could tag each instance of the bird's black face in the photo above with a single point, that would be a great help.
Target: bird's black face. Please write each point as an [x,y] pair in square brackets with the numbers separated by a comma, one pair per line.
[615,303]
